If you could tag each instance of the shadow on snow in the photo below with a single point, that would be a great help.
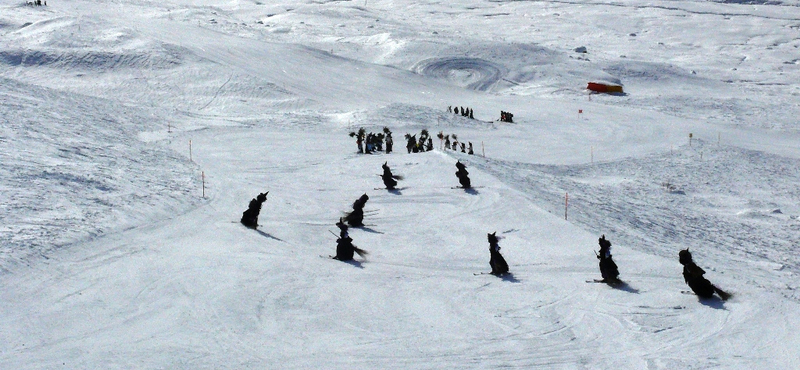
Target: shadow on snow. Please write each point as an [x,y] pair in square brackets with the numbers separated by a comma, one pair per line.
[267,235]
[354,263]
[509,277]
[713,302]
[623,286]
[368,229]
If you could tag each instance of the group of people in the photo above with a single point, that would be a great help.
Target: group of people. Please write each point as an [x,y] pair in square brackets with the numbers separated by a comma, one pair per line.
[464,112]
[454,145]
[506,117]
[692,274]
[36,3]
[423,144]
[345,249]
[369,143]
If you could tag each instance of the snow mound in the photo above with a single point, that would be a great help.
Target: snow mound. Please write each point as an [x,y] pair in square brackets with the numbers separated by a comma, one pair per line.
[90,45]
[60,186]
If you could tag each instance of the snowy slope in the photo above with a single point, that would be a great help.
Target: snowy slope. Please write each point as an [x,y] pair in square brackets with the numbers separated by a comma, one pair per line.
[111,258]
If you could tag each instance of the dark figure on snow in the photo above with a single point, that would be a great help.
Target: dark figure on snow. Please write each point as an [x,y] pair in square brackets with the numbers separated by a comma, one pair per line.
[370,143]
[469,151]
[389,143]
[693,275]
[360,135]
[447,142]
[411,145]
[250,216]
[429,145]
[608,269]
[463,147]
[344,244]
[388,179]
[496,260]
[356,217]
[463,175]
[470,114]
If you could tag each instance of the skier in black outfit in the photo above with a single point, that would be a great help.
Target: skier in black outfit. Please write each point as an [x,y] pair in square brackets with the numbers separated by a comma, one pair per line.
[250,216]
[608,269]
[356,217]
[388,179]
[462,175]
[498,263]
[693,275]
[411,143]
[344,244]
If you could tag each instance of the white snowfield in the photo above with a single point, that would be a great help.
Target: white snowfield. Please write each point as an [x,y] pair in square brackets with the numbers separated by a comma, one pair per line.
[117,117]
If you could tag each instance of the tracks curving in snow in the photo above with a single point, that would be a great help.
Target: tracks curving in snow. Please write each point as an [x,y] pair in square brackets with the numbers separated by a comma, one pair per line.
[473,73]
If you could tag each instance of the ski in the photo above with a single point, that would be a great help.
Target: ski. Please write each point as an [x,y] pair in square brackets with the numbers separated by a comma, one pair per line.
[471,187]
[615,282]
[488,273]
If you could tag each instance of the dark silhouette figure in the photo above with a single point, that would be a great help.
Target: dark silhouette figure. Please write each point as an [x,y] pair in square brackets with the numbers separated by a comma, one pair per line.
[411,143]
[389,142]
[469,151]
[693,275]
[250,216]
[388,179]
[463,175]
[608,269]
[344,244]
[496,260]
[356,217]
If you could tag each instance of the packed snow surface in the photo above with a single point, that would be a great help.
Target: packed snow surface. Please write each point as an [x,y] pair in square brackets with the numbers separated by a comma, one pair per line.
[134,134]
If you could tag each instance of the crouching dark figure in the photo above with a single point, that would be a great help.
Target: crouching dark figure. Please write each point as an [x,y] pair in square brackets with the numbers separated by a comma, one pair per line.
[344,244]
[496,260]
[250,216]
[693,275]
[608,269]
[389,180]
[356,217]
[463,175]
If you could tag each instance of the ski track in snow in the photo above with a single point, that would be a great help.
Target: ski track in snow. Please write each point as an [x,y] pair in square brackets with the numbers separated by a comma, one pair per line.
[111,259]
